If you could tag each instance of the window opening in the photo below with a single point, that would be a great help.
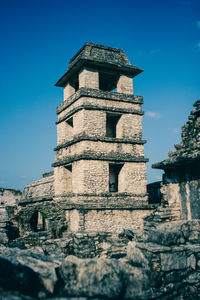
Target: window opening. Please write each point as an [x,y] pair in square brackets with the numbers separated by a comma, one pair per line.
[108,81]
[70,122]
[69,167]
[114,171]
[111,125]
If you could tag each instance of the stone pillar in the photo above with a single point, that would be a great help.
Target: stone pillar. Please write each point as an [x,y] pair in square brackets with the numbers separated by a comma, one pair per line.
[64,132]
[68,91]
[89,78]
[132,178]
[90,176]
[125,85]
[62,180]
[129,126]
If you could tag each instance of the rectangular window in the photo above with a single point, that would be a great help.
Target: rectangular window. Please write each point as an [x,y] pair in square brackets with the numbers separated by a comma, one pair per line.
[114,171]
[111,124]
[67,178]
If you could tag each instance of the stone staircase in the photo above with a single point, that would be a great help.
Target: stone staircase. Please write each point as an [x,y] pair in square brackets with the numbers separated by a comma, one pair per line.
[161,215]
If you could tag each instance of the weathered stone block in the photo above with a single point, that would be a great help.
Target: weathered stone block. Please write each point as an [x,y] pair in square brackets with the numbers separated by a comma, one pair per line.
[91,278]
[173,261]
[135,256]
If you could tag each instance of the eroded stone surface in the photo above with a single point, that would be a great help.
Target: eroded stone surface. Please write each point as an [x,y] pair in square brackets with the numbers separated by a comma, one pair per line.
[149,271]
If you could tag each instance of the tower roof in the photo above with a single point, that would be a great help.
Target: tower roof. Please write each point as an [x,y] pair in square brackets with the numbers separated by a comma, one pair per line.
[99,57]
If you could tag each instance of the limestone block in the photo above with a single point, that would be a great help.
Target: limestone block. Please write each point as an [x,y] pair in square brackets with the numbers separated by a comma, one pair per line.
[173,261]
[89,78]
[191,261]
[27,271]
[125,85]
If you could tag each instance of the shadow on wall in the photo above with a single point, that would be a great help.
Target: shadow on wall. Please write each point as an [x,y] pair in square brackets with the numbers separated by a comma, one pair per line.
[153,189]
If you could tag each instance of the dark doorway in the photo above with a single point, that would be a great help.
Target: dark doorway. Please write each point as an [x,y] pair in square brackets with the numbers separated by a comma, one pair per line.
[111,124]
[38,222]
[114,171]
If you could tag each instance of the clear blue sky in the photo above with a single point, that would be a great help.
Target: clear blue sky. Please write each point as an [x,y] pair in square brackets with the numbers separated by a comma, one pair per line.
[38,38]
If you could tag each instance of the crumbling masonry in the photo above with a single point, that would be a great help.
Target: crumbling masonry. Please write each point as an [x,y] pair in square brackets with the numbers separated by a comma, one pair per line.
[181,180]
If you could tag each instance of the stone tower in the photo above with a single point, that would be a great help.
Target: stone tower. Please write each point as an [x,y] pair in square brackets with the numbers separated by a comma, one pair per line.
[100,169]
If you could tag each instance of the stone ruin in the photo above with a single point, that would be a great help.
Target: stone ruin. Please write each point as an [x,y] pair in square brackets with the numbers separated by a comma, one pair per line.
[92,228]
[181,180]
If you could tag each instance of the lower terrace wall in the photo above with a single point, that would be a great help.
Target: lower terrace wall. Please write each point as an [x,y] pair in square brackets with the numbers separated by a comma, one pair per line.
[109,220]
[58,220]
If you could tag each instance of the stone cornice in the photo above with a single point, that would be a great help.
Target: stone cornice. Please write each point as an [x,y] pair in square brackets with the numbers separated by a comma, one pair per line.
[109,202]
[99,139]
[27,200]
[112,157]
[104,108]
[98,94]
[176,162]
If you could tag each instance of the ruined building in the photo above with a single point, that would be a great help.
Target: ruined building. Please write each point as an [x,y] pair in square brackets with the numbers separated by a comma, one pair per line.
[99,180]
[98,187]
[95,204]
[100,169]
[181,180]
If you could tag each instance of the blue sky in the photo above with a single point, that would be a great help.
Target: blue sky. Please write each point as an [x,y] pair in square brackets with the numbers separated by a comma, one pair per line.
[38,38]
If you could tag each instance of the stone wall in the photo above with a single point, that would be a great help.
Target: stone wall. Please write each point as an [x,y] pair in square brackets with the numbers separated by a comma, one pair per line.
[115,221]
[62,180]
[58,219]
[132,178]
[184,195]
[39,190]
[165,265]
[92,177]
[9,197]
[108,220]
[170,255]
